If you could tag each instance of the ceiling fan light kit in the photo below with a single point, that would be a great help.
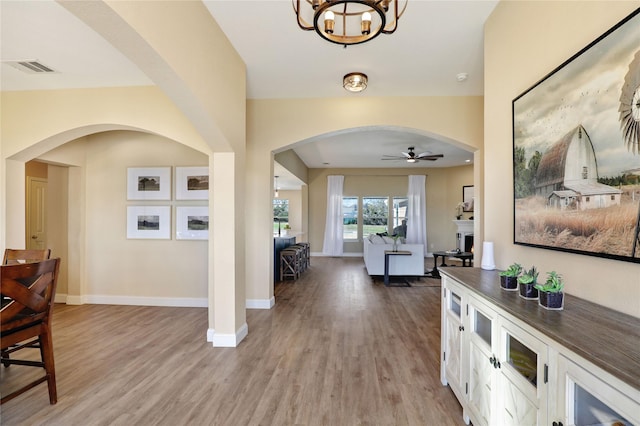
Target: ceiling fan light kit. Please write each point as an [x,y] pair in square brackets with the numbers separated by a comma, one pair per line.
[355,82]
[348,22]
[412,157]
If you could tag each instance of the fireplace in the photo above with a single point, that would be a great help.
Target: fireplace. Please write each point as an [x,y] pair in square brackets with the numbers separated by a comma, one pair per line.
[464,237]
[468,243]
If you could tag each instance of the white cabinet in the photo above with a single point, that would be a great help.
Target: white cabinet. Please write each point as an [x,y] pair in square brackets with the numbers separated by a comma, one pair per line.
[505,371]
[451,339]
[584,399]
[482,326]
[522,379]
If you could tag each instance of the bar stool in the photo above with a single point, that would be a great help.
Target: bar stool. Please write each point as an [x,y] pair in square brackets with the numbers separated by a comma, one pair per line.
[307,253]
[302,255]
[290,263]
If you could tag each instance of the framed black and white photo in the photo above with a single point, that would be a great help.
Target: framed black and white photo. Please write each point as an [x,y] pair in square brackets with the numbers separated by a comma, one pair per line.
[149,183]
[149,222]
[192,183]
[192,223]
[576,151]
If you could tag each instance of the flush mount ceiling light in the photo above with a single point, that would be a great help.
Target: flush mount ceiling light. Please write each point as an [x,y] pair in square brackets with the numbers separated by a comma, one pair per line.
[355,82]
[349,22]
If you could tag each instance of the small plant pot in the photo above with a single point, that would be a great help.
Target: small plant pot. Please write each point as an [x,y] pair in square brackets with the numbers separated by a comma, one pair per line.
[509,283]
[528,291]
[551,301]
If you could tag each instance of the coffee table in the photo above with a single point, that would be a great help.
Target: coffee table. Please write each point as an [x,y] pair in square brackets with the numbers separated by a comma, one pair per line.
[465,256]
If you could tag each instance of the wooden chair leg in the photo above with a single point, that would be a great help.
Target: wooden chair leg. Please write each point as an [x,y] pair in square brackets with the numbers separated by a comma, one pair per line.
[46,348]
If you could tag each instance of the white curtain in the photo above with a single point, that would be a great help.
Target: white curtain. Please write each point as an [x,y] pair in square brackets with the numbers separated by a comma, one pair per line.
[417,211]
[333,235]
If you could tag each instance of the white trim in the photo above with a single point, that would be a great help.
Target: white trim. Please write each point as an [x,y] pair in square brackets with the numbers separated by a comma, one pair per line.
[210,333]
[229,340]
[320,254]
[185,302]
[60,298]
[74,300]
[260,303]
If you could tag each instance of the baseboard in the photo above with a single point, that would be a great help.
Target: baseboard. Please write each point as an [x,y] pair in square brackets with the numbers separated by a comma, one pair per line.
[210,333]
[187,302]
[183,302]
[260,303]
[316,254]
[228,340]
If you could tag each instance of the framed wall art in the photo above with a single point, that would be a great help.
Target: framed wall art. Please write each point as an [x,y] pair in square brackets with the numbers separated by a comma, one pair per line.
[149,183]
[576,157]
[149,222]
[467,198]
[192,223]
[192,183]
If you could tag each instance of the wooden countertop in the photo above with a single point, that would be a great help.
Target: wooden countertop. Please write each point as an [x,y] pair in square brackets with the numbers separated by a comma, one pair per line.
[603,336]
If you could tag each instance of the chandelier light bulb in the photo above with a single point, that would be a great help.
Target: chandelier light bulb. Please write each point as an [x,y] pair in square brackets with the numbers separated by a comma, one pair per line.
[365,26]
[329,22]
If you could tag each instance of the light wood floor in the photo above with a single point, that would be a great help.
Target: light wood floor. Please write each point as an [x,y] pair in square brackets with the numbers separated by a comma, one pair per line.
[337,349]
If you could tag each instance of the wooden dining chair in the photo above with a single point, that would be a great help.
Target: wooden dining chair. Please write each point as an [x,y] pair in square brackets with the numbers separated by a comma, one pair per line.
[25,321]
[13,256]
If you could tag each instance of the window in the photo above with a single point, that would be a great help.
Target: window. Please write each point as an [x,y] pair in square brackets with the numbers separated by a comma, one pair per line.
[280,214]
[400,216]
[350,218]
[375,215]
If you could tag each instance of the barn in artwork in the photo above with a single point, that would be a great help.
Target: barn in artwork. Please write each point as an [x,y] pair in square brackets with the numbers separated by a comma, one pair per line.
[567,175]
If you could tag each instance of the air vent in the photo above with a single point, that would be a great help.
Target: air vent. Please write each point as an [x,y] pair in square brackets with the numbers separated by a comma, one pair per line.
[31,67]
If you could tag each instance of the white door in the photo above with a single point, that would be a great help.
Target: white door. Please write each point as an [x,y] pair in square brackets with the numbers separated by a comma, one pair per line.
[36,213]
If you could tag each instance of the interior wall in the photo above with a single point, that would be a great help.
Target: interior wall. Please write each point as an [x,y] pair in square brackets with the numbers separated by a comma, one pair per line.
[295,212]
[58,220]
[443,190]
[517,55]
[120,269]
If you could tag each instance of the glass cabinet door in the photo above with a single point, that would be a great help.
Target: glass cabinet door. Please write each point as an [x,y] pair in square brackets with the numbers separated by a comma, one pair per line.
[587,400]
[482,329]
[522,390]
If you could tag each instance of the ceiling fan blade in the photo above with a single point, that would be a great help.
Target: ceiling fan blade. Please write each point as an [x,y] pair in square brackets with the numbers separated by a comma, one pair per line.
[430,157]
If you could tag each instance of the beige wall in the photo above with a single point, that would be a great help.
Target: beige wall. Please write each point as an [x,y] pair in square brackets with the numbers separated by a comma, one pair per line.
[119,269]
[443,190]
[200,78]
[274,125]
[518,53]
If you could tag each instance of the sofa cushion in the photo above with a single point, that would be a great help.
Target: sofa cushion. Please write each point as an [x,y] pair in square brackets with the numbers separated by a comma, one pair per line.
[376,239]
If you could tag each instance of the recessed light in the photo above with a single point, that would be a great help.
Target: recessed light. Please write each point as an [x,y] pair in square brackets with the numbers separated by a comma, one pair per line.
[467,161]
[462,76]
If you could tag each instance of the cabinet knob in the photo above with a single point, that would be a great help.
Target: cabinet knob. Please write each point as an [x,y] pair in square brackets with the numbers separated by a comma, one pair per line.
[461,328]
[556,424]
[492,360]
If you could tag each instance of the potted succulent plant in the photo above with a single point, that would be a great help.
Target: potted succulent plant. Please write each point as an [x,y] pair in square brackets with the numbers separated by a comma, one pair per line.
[509,278]
[527,283]
[551,294]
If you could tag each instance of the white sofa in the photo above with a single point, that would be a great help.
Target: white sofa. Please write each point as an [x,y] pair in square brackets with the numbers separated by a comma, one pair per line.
[374,249]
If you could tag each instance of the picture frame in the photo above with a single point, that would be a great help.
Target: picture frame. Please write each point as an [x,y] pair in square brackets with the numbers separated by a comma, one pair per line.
[149,183]
[468,198]
[576,138]
[192,223]
[192,183]
[149,222]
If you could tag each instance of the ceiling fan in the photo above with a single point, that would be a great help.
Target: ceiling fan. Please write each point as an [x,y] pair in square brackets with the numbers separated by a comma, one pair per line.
[412,157]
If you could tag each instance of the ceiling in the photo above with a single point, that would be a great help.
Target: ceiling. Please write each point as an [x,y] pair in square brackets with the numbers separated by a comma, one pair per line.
[435,41]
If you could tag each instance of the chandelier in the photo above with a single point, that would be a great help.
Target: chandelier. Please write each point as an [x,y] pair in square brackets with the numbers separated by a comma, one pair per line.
[349,21]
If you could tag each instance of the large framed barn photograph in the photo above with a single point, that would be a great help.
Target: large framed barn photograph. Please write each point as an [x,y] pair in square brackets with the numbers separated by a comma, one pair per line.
[576,158]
